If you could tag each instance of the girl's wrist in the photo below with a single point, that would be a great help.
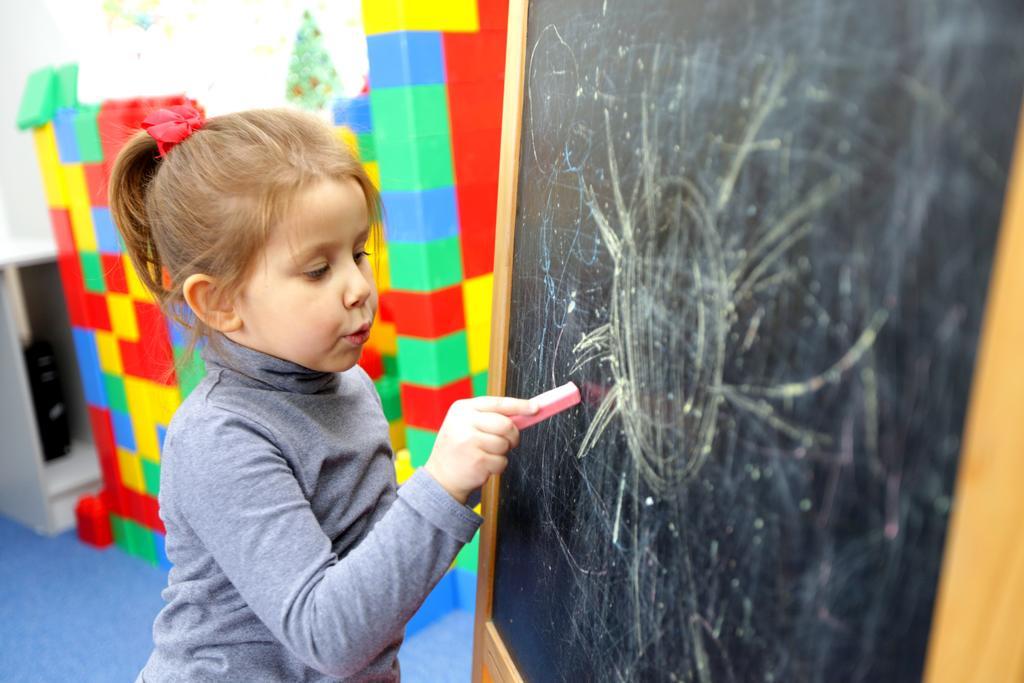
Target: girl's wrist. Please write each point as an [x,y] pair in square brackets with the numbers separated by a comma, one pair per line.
[460,496]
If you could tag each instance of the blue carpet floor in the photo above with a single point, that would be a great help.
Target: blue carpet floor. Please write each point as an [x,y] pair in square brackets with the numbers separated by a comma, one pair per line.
[69,612]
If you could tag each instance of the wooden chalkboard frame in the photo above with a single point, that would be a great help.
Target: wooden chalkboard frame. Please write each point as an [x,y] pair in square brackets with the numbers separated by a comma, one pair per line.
[491,659]
[978,628]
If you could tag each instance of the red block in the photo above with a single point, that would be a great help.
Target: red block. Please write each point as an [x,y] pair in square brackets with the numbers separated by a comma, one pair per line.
[96,177]
[493,14]
[372,363]
[113,273]
[426,314]
[74,289]
[384,312]
[145,510]
[93,520]
[60,220]
[132,359]
[472,57]
[425,407]
[478,208]
[106,451]
[475,106]
[475,155]
[96,312]
[156,342]
[118,120]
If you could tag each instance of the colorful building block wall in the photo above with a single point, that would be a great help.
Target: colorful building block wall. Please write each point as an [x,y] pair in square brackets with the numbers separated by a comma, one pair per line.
[125,348]
[434,106]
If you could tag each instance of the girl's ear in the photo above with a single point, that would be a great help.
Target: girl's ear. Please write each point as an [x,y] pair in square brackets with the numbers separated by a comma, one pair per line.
[201,296]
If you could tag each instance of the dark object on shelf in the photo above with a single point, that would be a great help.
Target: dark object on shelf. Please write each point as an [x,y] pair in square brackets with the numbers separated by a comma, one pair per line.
[48,400]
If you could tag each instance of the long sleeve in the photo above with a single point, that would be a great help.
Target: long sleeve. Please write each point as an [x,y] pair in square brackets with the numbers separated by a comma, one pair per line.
[241,498]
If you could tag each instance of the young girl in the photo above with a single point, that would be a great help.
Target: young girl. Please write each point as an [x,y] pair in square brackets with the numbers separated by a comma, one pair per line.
[295,556]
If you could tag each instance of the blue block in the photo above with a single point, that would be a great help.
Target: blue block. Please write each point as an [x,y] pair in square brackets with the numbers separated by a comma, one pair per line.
[89,366]
[438,604]
[161,434]
[67,143]
[124,435]
[354,113]
[465,589]
[405,58]
[420,216]
[179,335]
[107,237]
[160,543]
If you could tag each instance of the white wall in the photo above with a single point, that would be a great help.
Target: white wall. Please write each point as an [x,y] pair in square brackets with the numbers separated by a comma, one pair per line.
[29,39]
[229,55]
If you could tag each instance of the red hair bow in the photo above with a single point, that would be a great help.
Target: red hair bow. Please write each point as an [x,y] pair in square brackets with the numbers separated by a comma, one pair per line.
[172,125]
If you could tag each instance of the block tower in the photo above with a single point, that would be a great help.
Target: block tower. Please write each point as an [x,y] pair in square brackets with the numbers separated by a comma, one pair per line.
[125,348]
[434,104]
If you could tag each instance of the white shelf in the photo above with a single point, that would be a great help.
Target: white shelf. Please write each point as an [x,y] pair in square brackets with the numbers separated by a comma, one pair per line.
[19,251]
[78,469]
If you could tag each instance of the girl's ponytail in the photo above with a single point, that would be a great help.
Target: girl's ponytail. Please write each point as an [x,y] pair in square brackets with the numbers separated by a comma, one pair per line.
[134,169]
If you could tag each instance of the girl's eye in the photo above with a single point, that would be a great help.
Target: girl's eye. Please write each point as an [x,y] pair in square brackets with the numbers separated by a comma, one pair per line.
[318,273]
[359,255]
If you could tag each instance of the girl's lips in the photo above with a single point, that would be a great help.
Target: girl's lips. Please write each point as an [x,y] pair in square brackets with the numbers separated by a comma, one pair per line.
[359,337]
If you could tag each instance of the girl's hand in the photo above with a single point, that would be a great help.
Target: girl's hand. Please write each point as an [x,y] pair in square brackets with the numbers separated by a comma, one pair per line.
[473,440]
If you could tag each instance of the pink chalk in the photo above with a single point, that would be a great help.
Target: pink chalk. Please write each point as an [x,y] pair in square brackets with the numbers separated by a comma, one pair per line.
[551,403]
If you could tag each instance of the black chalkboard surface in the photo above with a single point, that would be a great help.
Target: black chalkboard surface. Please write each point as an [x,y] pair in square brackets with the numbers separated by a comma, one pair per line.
[758,235]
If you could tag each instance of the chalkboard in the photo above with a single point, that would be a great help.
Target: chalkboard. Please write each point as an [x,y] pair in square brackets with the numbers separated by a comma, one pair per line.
[759,236]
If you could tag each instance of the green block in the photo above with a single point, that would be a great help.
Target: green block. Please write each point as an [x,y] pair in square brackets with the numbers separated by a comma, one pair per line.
[423,163]
[87,134]
[390,365]
[420,443]
[469,555]
[425,266]
[39,99]
[140,540]
[117,526]
[410,112]
[92,271]
[117,399]
[390,397]
[67,86]
[151,475]
[433,362]
[190,373]
[367,147]
[480,384]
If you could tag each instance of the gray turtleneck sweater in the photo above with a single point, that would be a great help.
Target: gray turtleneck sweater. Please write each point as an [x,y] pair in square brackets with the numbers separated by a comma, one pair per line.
[295,557]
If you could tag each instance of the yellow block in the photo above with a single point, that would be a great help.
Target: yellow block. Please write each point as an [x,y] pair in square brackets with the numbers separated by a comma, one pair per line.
[164,400]
[131,471]
[110,355]
[79,208]
[140,409]
[136,289]
[397,431]
[345,134]
[373,170]
[478,342]
[383,338]
[49,164]
[476,300]
[122,316]
[382,267]
[384,16]
[403,466]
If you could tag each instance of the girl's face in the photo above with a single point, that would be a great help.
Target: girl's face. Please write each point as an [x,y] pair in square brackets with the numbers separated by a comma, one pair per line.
[311,297]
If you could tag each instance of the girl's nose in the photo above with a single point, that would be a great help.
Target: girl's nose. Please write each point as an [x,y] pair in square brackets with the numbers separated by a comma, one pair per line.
[356,288]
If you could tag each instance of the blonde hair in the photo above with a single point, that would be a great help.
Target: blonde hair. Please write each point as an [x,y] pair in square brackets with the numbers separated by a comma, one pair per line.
[208,206]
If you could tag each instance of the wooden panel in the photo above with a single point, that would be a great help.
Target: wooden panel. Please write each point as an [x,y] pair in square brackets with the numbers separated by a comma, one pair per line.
[978,632]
